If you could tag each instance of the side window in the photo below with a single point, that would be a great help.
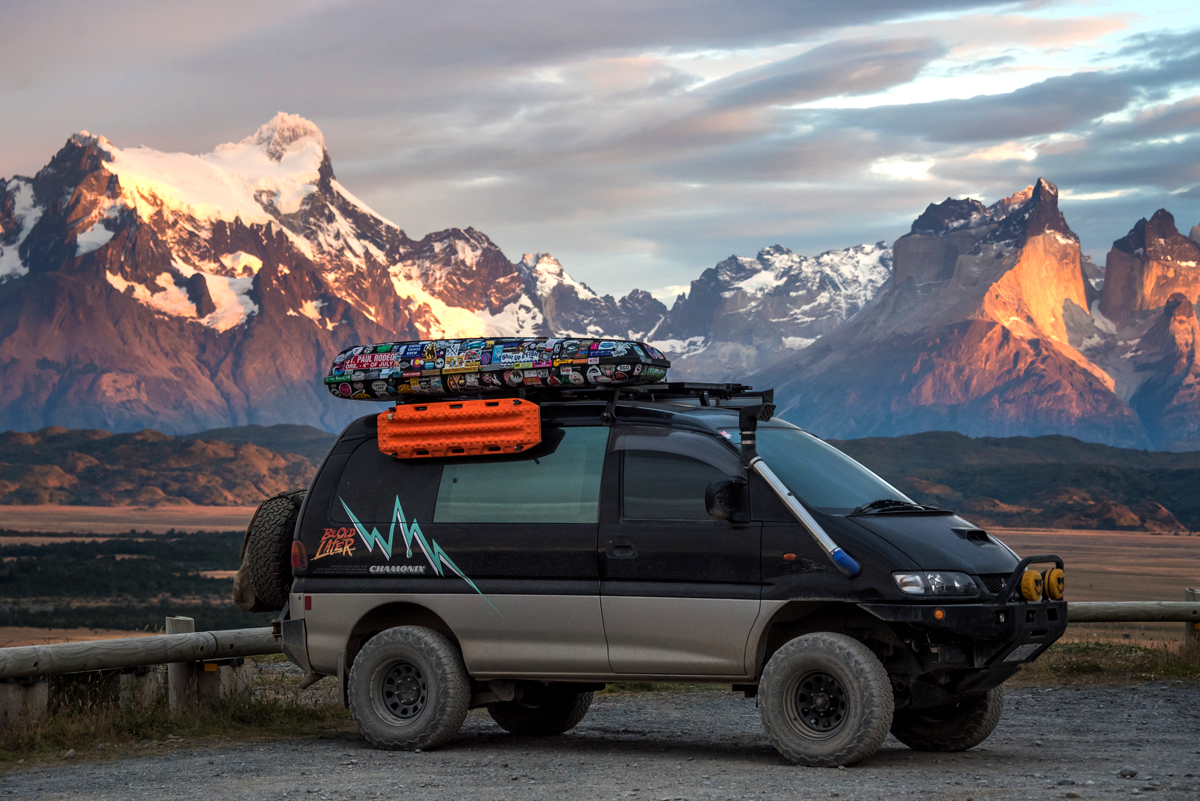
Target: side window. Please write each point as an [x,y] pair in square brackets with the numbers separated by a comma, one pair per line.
[665,486]
[372,483]
[556,482]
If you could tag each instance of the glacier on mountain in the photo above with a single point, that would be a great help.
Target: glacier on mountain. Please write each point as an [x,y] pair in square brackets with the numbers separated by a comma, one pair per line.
[213,284]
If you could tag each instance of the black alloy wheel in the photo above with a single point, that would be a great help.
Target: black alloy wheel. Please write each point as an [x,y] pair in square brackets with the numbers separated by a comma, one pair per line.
[820,706]
[825,700]
[404,690]
[408,689]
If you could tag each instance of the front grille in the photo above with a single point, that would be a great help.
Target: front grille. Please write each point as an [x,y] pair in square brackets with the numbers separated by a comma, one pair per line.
[994,581]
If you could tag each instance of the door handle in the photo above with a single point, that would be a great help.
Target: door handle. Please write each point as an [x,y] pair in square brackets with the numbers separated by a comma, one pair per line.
[621,548]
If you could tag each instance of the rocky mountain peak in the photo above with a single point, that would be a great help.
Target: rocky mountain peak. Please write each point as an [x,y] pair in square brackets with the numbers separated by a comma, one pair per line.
[284,130]
[1169,396]
[950,215]
[1158,238]
[1147,266]
[1029,213]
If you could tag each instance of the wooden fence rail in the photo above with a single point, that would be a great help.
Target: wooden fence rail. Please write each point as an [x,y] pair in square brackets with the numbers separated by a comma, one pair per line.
[1133,612]
[30,661]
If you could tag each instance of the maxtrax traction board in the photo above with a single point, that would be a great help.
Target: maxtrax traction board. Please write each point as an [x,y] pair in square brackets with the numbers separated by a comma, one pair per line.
[460,428]
[396,370]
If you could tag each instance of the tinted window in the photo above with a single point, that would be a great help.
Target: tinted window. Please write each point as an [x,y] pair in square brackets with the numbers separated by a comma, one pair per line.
[372,483]
[819,474]
[665,486]
[557,482]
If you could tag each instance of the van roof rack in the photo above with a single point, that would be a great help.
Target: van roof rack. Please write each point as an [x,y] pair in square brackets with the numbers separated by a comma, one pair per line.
[705,394]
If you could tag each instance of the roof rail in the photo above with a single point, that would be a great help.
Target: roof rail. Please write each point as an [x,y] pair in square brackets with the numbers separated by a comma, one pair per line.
[706,394]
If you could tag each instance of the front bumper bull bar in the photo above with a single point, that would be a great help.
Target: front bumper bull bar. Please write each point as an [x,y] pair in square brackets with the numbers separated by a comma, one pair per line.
[1002,632]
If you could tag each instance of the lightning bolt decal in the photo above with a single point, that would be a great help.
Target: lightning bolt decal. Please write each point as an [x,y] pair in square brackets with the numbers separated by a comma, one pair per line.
[434,554]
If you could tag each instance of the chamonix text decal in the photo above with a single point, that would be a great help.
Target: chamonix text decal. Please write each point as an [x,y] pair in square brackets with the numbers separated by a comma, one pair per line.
[434,554]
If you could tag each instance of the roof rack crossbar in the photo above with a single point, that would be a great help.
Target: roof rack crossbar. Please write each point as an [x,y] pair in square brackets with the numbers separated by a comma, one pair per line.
[706,394]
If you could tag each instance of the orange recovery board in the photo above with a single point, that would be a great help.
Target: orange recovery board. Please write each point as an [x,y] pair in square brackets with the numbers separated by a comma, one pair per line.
[460,428]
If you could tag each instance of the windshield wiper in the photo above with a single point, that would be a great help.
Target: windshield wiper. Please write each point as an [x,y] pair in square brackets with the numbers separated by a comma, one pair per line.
[890,505]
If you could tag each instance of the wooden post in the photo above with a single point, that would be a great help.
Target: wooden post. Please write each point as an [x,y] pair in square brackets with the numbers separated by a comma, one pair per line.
[140,687]
[223,680]
[181,676]
[23,700]
[1191,631]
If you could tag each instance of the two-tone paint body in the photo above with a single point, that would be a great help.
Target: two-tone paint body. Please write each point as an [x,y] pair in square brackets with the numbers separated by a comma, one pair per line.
[619,599]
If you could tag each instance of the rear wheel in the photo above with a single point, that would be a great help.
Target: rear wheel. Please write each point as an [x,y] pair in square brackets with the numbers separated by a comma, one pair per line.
[954,727]
[825,700]
[409,689]
[543,711]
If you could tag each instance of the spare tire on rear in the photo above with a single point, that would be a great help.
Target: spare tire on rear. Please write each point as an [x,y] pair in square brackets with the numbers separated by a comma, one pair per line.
[265,577]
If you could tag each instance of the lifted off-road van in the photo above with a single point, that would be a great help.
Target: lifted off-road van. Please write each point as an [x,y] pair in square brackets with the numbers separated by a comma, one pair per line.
[520,548]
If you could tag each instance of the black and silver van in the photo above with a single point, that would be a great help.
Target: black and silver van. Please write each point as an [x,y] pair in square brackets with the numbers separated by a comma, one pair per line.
[671,532]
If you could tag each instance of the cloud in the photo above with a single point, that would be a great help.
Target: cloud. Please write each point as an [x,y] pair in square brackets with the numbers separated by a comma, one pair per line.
[639,140]
[1056,104]
[831,70]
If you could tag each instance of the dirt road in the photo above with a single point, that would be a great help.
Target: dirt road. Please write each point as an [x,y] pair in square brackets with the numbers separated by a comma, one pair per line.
[1052,744]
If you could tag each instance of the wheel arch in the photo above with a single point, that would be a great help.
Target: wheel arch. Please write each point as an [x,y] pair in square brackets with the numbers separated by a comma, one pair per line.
[796,618]
[390,615]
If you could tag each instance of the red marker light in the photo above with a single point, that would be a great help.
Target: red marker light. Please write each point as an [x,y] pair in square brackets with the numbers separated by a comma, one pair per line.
[299,555]
[307,603]
[789,557]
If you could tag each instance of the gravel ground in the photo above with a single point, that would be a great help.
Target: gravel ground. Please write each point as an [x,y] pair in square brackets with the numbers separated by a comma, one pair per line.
[1052,743]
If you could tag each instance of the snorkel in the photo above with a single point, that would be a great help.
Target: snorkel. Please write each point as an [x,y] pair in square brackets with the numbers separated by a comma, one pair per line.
[748,419]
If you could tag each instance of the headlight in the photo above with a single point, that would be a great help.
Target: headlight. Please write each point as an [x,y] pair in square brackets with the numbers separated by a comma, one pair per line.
[935,582]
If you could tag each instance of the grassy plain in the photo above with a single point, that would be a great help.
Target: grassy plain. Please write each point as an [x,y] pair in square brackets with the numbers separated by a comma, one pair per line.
[65,519]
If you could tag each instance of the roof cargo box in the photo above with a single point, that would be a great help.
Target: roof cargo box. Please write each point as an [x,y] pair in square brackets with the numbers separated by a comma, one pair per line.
[392,371]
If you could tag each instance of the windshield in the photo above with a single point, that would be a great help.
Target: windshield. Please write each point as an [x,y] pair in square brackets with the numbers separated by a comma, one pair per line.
[819,474]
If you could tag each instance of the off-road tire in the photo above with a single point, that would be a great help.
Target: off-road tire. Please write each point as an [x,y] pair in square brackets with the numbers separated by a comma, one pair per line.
[542,712]
[859,698]
[268,549]
[445,686]
[955,727]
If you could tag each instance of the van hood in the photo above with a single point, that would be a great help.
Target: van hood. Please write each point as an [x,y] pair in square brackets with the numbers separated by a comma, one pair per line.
[941,542]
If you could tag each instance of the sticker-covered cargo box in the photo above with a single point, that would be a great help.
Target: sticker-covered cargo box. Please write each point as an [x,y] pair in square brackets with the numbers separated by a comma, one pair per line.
[393,370]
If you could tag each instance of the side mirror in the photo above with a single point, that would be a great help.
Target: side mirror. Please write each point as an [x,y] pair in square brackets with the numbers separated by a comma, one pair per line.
[725,499]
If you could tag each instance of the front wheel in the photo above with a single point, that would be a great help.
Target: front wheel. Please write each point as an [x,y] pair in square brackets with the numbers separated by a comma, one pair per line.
[409,689]
[954,727]
[825,700]
[542,712]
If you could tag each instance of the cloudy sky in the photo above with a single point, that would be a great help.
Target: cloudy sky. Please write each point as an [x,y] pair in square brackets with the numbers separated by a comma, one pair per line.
[641,141]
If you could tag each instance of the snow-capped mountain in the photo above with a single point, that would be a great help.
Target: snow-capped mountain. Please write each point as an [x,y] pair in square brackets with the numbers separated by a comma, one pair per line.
[744,314]
[141,288]
[991,325]
[184,292]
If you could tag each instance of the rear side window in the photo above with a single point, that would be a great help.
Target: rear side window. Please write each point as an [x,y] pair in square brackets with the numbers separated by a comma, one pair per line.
[556,482]
[372,483]
[665,486]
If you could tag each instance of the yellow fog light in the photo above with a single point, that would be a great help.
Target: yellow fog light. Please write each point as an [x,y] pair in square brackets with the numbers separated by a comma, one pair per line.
[1032,585]
[1056,583]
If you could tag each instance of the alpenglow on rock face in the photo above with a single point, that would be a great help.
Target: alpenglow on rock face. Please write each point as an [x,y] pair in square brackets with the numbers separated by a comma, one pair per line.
[185,292]
[989,327]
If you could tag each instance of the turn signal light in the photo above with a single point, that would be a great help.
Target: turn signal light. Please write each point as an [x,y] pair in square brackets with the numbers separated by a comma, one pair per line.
[1032,585]
[299,555]
[1056,583]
